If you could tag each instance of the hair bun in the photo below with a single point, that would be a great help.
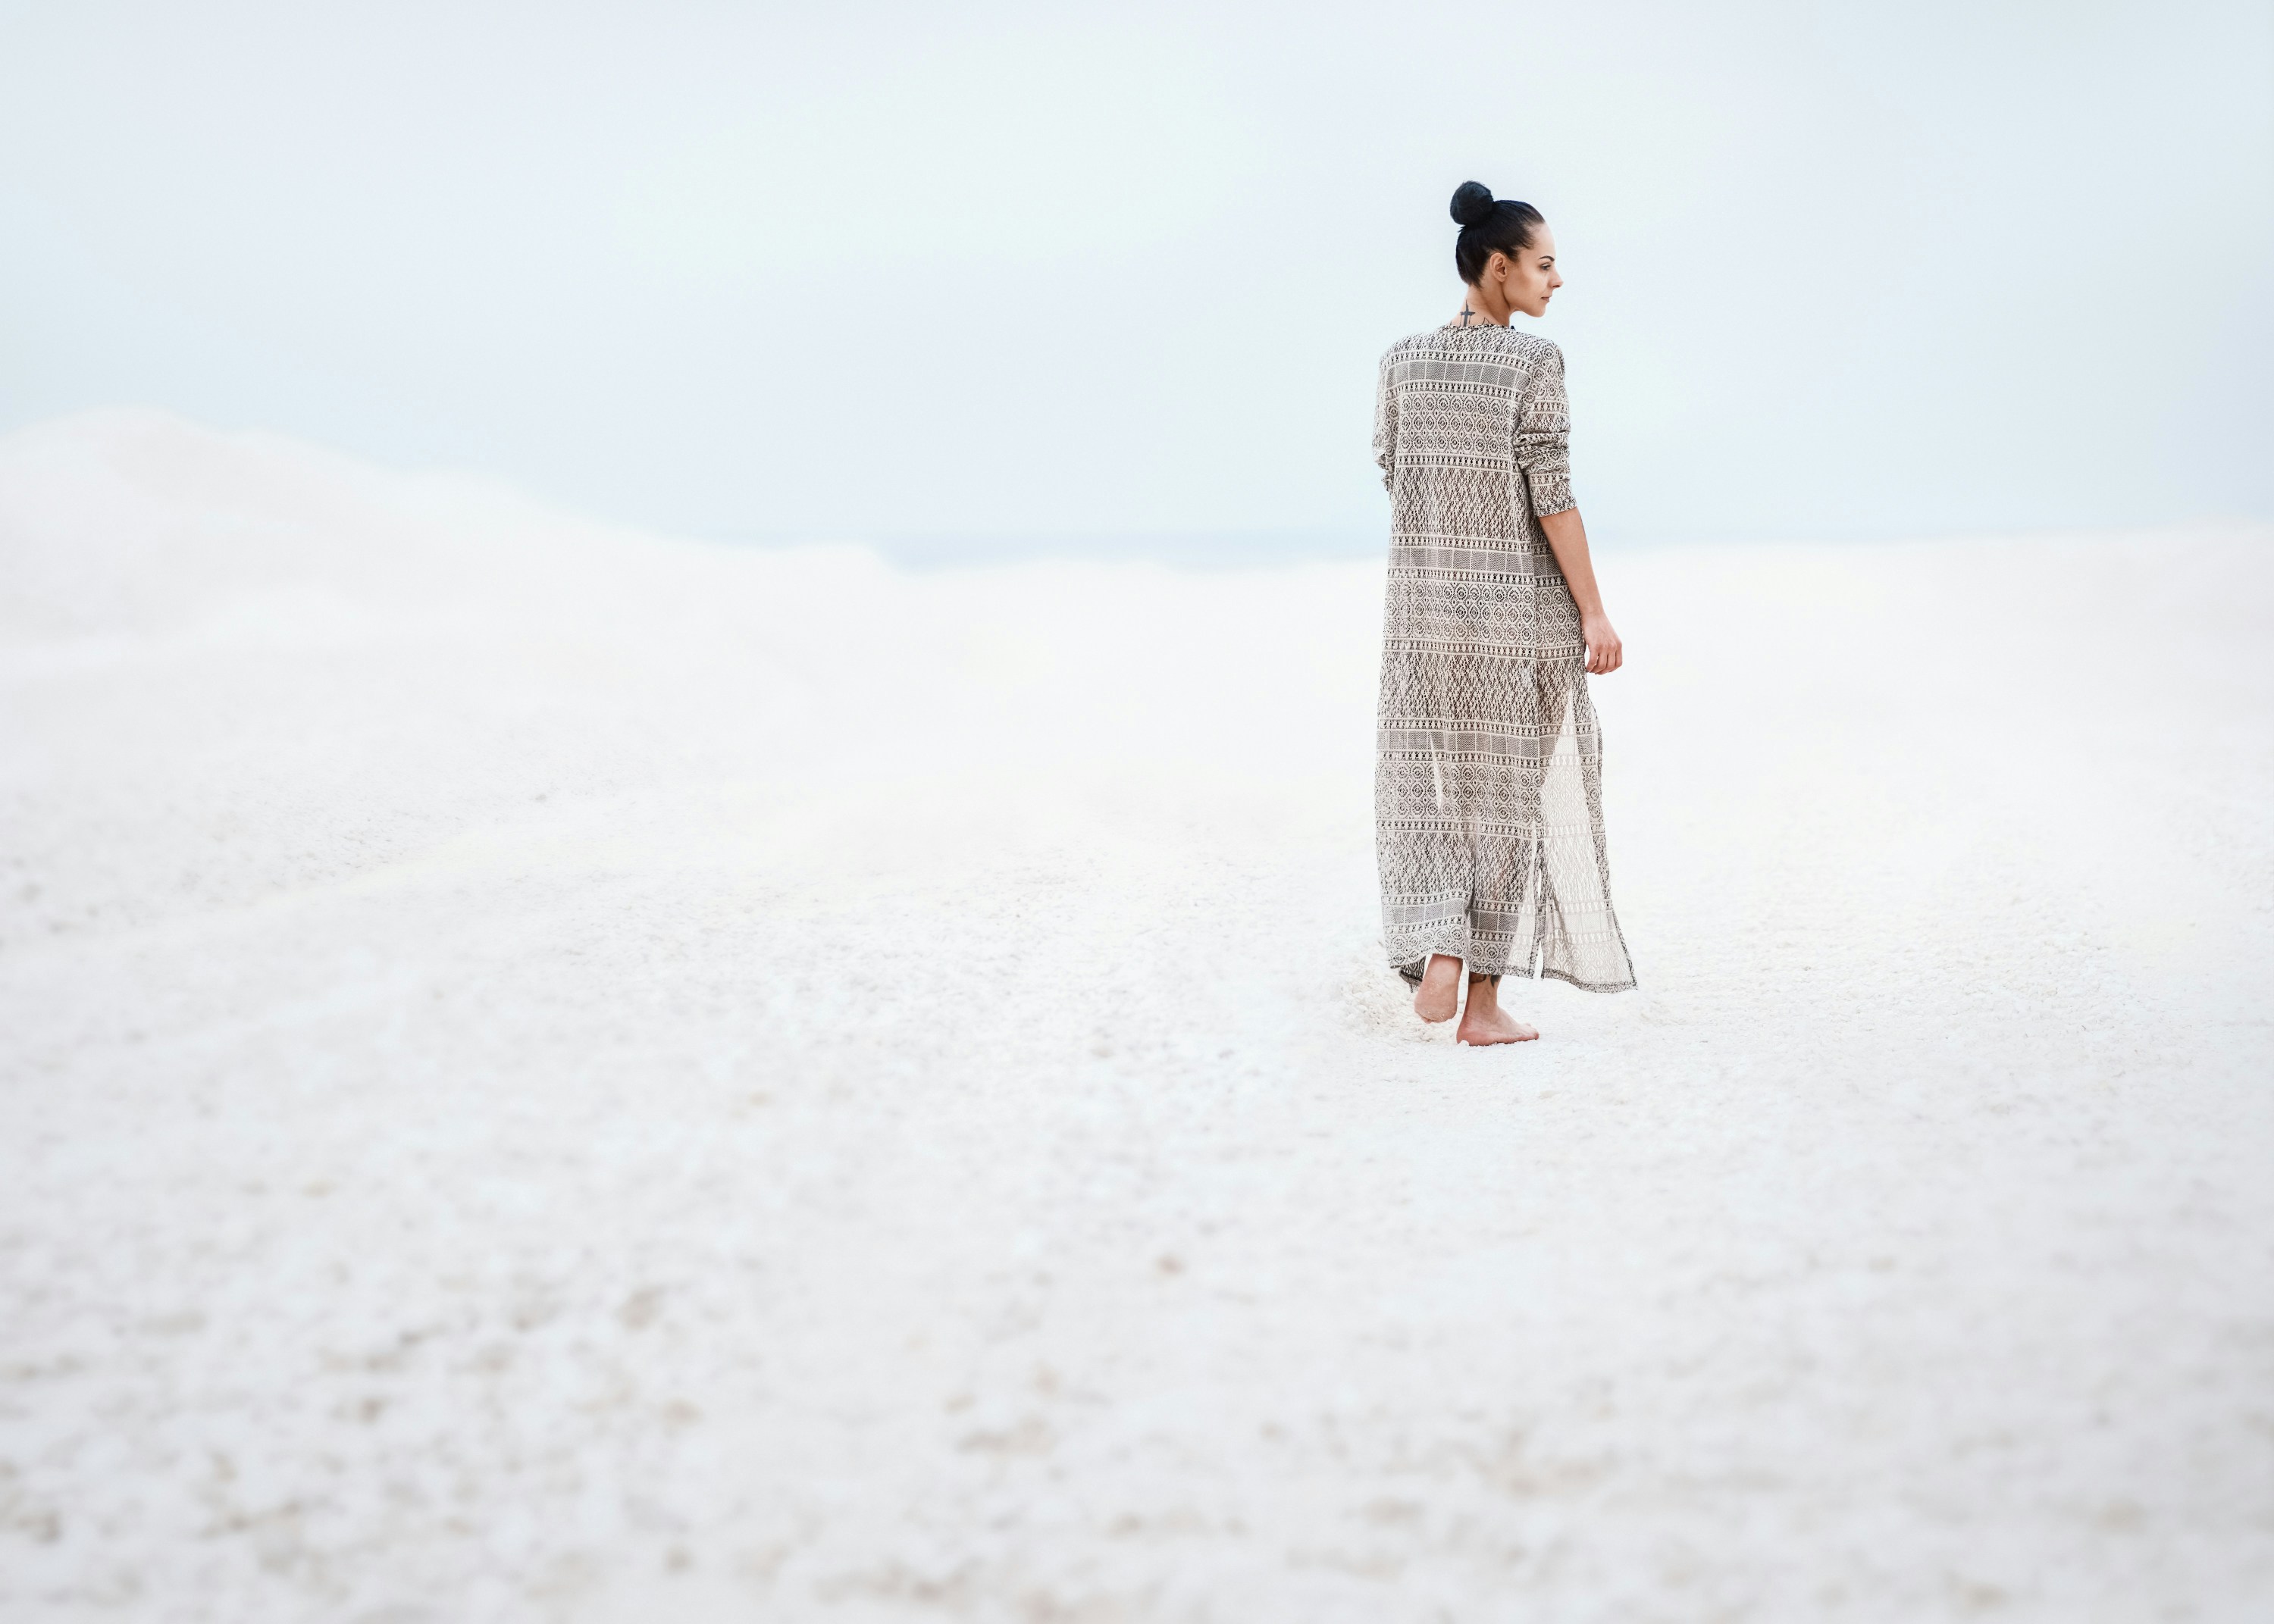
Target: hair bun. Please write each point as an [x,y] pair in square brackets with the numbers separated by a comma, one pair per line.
[1471,202]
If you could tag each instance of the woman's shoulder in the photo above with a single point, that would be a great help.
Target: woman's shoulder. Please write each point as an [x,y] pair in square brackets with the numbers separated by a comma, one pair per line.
[1539,352]
[1410,344]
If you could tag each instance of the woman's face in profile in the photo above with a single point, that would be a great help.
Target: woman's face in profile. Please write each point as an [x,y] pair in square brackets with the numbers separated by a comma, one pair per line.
[1531,280]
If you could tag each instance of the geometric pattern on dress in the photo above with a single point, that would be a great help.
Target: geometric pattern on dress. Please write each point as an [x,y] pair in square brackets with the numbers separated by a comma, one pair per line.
[1488,791]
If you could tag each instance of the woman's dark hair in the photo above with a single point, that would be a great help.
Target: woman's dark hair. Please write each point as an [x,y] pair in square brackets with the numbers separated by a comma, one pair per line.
[1488,228]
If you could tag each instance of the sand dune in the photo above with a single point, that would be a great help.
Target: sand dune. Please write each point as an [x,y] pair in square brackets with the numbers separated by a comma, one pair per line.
[556,1074]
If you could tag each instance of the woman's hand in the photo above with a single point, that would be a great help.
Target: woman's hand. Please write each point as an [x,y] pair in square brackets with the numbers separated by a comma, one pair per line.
[1604,654]
[1567,536]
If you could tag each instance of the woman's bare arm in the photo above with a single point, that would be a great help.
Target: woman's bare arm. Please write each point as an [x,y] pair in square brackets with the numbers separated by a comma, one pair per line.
[1568,536]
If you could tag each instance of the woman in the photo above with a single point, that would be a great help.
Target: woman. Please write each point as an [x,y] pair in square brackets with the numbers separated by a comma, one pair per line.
[1488,809]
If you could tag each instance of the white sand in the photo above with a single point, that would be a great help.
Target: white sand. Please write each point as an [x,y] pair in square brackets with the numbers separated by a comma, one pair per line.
[554,1075]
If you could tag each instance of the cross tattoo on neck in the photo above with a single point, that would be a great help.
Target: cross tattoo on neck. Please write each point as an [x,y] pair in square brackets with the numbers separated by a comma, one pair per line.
[1467,315]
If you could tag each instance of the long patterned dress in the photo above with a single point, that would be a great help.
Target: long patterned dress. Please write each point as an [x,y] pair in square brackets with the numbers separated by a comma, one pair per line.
[1489,803]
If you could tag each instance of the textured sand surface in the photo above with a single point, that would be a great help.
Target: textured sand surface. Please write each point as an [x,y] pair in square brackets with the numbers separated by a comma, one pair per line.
[554,1075]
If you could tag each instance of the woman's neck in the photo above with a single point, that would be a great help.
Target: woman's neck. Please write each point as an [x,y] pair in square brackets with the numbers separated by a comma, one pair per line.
[1477,312]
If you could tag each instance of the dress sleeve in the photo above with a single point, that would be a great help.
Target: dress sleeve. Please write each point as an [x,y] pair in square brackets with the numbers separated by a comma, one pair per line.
[1543,438]
[1385,427]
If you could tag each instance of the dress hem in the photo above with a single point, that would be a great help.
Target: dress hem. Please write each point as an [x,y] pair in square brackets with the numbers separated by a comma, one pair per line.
[1411,974]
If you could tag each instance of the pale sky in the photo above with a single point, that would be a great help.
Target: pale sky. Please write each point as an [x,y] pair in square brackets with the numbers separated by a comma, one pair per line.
[854,271]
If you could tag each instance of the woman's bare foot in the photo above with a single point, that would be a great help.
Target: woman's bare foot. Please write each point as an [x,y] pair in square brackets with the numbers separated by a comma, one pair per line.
[1486,1022]
[1439,995]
